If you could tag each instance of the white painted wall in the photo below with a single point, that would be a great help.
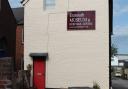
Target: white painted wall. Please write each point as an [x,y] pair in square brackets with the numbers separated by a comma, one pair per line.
[76,58]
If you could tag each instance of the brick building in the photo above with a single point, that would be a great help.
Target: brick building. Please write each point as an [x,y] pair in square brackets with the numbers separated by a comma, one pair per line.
[19,15]
[7,30]
[11,33]
[7,44]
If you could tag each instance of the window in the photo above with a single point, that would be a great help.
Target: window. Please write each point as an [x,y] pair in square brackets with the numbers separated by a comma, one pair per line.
[49,4]
[3,43]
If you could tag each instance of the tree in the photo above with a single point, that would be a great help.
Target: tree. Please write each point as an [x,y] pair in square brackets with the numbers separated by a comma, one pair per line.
[114,50]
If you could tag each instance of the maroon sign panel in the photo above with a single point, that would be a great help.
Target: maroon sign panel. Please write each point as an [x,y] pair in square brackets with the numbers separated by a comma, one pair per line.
[81,20]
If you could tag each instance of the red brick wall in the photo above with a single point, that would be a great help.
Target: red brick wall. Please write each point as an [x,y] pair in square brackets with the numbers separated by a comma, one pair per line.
[6,68]
[6,72]
[19,46]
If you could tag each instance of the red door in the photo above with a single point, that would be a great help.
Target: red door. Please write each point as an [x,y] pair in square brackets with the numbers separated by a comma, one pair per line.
[39,73]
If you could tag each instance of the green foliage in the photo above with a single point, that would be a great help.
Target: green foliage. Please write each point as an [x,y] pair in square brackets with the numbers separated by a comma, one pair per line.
[114,50]
[96,85]
[29,67]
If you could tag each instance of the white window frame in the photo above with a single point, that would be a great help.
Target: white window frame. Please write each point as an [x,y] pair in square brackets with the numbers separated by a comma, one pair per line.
[49,6]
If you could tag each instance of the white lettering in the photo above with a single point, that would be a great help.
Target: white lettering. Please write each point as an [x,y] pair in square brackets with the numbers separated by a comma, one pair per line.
[76,15]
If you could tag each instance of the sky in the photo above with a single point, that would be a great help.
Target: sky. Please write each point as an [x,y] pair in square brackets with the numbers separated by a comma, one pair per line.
[120,25]
[15,3]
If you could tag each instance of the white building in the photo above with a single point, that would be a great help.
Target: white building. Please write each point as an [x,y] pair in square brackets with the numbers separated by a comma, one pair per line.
[119,60]
[114,61]
[74,58]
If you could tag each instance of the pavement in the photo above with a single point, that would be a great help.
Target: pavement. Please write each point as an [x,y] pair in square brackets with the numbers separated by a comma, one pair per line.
[118,83]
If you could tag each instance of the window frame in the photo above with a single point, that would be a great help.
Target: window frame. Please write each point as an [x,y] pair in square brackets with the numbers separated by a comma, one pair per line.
[50,6]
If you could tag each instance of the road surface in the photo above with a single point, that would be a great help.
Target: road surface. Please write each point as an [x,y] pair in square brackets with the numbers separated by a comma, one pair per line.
[118,83]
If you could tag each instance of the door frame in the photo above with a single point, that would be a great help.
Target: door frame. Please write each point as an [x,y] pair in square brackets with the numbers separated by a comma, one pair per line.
[43,56]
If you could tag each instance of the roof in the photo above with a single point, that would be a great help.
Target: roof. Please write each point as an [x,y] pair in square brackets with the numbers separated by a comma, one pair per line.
[122,54]
[19,14]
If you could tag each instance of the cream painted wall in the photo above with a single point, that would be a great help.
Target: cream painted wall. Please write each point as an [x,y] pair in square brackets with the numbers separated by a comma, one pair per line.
[76,58]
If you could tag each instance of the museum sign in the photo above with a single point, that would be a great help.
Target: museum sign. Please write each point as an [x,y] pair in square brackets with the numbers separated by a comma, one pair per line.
[81,20]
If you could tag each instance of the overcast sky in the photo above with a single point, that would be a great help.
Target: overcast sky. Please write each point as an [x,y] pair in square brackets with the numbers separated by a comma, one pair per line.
[120,25]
